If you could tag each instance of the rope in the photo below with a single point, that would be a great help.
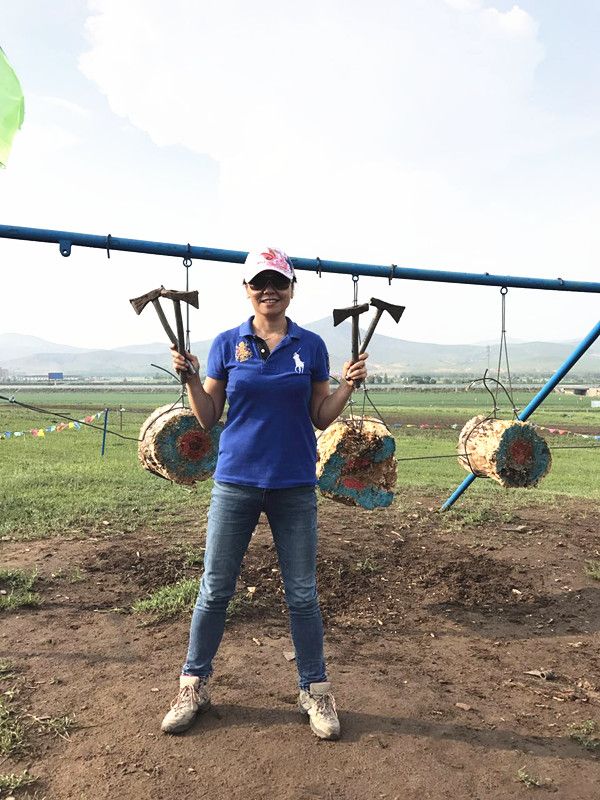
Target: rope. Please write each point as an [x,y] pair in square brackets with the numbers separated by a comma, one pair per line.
[51,413]
[187,263]
[504,347]
[180,398]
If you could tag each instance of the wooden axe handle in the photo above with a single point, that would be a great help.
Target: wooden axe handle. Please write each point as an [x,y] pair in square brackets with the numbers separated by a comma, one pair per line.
[180,344]
[164,321]
[371,330]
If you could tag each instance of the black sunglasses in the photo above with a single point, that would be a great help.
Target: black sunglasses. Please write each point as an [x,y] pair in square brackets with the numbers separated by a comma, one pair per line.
[277,281]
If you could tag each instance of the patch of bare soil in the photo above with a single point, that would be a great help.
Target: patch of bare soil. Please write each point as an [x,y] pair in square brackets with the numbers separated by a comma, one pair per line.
[459,656]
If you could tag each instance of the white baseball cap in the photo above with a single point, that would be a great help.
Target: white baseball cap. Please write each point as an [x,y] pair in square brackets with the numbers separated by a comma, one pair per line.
[270,259]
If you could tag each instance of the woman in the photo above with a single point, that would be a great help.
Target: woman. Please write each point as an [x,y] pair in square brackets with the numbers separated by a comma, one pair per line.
[275,376]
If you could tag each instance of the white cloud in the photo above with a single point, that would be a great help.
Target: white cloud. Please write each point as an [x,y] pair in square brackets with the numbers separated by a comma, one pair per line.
[464,5]
[515,22]
[395,132]
[288,101]
[342,130]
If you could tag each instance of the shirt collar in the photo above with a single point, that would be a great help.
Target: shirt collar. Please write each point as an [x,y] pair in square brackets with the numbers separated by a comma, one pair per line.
[245,328]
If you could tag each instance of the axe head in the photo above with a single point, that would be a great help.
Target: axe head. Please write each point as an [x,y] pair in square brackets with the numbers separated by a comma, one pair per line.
[140,303]
[394,311]
[183,297]
[340,314]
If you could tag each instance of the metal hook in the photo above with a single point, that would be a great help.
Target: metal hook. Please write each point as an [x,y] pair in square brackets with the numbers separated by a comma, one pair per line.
[108,238]
[187,259]
[503,291]
[391,276]
[355,289]
[319,267]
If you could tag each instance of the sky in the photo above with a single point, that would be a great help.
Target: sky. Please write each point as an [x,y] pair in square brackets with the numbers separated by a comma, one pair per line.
[442,134]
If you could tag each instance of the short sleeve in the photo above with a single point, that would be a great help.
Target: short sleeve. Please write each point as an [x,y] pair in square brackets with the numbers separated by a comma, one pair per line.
[320,370]
[215,364]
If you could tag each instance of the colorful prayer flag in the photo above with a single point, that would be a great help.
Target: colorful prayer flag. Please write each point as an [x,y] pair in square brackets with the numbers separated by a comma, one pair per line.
[12,107]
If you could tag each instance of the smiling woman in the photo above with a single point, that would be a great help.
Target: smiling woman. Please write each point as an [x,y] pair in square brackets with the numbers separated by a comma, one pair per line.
[275,377]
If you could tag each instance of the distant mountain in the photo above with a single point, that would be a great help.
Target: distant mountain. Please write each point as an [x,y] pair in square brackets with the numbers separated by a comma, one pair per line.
[16,345]
[29,355]
[154,347]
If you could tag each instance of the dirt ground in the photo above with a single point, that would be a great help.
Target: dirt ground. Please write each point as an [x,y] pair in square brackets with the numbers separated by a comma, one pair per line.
[431,627]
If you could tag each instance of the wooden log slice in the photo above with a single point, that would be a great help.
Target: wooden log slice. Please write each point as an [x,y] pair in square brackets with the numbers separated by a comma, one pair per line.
[356,463]
[174,446]
[508,451]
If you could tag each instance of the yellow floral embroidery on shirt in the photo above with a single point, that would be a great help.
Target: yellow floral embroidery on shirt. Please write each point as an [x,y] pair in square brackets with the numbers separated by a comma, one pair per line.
[242,352]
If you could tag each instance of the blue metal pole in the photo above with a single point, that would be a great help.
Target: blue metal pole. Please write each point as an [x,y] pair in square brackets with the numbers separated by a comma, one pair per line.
[537,400]
[66,239]
[104,431]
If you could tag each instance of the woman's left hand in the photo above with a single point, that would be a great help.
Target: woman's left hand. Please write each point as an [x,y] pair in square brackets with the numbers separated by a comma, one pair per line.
[355,371]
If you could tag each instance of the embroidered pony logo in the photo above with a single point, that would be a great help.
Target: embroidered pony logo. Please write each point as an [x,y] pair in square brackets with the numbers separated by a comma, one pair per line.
[298,362]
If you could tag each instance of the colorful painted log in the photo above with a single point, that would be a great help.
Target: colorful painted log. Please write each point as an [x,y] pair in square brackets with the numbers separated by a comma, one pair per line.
[356,463]
[508,451]
[174,446]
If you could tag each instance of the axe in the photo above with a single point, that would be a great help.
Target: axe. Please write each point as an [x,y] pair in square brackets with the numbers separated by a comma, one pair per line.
[394,311]
[340,314]
[140,303]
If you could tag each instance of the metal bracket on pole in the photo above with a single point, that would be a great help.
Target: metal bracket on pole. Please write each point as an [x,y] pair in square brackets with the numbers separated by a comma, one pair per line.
[537,401]
[65,247]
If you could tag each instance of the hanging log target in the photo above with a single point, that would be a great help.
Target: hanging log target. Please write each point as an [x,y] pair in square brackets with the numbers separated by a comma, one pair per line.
[174,446]
[356,463]
[510,452]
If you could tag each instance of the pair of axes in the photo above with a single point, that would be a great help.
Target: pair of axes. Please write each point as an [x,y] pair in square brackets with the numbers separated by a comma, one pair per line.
[140,303]
[340,314]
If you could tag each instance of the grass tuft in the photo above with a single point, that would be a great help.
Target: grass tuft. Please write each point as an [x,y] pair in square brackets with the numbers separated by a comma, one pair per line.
[11,782]
[240,602]
[169,600]
[530,781]
[12,732]
[586,734]
[7,671]
[193,556]
[76,575]
[57,726]
[592,569]
[368,566]
[15,589]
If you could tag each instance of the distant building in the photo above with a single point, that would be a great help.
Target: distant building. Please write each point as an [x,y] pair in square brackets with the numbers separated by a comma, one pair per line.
[3,374]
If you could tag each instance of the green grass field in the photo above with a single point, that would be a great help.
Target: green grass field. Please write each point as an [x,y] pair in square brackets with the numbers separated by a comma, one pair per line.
[61,483]
[557,409]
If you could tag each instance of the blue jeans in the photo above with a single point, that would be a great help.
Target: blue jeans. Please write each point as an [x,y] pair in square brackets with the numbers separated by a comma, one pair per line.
[232,516]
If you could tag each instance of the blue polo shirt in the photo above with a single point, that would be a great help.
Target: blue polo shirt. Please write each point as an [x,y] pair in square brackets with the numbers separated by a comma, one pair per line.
[268,440]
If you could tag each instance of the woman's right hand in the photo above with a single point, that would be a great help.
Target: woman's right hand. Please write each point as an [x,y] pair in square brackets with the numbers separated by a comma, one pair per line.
[179,362]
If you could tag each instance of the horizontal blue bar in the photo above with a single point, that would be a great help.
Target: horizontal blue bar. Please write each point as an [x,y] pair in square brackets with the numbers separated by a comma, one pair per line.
[67,238]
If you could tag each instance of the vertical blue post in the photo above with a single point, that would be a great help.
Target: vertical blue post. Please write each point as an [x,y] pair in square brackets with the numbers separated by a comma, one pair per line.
[104,431]
[537,400]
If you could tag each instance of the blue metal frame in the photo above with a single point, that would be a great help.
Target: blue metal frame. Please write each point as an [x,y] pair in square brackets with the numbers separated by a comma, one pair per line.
[66,239]
[537,401]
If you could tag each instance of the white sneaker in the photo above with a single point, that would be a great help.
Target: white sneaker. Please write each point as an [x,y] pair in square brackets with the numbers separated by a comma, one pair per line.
[319,704]
[193,699]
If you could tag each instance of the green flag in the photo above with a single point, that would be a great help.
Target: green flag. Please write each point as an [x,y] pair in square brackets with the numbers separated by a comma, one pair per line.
[12,107]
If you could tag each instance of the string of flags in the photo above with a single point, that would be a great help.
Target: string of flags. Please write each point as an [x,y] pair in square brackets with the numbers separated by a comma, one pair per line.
[74,425]
[456,426]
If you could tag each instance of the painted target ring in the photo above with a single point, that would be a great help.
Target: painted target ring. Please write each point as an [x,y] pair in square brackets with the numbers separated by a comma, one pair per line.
[174,446]
[523,457]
